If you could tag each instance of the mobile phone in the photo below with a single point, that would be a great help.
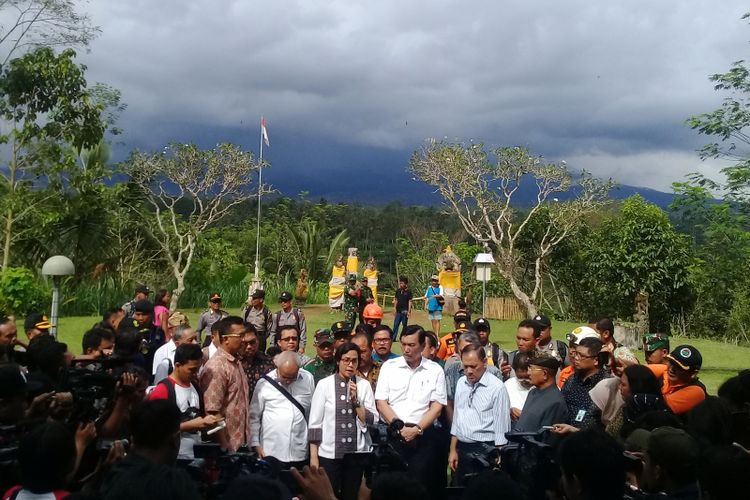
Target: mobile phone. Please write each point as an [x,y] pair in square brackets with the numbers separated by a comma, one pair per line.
[221,425]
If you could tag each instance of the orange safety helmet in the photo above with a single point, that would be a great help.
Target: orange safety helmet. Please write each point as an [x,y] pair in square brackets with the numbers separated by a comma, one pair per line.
[372,311]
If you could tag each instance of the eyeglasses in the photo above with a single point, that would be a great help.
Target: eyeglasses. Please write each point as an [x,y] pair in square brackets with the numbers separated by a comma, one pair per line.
[381,341]
[535,369]
[216,302]
[289,339]
[349,361]
[579,355]
[250,341]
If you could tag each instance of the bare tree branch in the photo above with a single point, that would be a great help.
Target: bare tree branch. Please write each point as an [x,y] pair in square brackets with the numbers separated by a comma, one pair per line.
[481,194]
[188,190]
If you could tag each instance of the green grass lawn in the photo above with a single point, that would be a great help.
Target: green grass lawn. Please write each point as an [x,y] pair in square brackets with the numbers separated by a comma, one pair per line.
[720,361]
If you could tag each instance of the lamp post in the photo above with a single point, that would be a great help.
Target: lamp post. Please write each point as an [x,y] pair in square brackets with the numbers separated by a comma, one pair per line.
[484,263]
[55,267]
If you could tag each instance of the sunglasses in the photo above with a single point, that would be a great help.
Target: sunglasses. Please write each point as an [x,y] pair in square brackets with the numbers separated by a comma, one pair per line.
[289,339]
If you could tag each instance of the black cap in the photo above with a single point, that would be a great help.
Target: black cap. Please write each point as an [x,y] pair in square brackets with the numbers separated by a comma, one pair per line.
[258,294]
[686,357]
[142,289]
[463,326]
[545,360]
[285,297]
[542,320]
[461,316]
[341,329]
[144,306]
[37,321]
[482,324]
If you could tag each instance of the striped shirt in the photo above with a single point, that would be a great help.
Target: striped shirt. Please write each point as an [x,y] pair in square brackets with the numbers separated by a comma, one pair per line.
[482,411]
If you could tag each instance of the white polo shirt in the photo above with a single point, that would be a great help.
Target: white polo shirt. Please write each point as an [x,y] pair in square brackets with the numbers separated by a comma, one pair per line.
[410,392]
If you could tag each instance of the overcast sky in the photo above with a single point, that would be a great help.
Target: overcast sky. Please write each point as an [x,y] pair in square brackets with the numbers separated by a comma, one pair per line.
[348,84]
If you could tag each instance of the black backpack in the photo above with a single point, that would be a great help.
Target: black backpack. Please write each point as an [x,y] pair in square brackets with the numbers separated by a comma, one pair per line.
[191,412]
[295,312]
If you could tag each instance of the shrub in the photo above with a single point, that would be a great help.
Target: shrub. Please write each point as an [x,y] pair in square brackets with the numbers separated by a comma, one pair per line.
[21,292]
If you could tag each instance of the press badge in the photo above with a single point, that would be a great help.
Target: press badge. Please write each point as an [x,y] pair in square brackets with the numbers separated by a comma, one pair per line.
[580,415]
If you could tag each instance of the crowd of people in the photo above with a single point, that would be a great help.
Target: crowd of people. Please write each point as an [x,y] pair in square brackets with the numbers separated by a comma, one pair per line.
[153,407]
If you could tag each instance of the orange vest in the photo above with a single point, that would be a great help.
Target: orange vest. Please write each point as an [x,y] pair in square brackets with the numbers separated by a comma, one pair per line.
[447,346]
[565,374]
[679,398]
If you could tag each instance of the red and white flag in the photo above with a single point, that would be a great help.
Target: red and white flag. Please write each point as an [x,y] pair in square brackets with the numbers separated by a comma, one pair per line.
[263,131]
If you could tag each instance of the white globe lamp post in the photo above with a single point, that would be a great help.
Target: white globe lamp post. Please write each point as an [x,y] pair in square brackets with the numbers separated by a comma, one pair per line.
[484,262]
[56,267]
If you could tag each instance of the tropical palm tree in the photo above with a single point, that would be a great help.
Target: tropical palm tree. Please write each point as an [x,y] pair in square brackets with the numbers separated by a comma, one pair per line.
[312,251]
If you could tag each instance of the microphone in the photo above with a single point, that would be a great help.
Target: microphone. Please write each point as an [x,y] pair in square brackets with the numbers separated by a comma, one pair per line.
[348,391]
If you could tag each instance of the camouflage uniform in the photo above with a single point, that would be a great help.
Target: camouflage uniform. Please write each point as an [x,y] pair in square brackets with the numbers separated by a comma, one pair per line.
[365,294]
[372,375]
[320,369]
[351,306]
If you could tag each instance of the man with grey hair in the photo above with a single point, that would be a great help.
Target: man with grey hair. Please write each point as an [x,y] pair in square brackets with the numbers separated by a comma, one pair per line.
[279,409]
[164,356]
[455,369]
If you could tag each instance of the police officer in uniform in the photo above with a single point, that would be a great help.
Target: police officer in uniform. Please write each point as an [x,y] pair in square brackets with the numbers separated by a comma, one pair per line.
[259,315]
[210,316]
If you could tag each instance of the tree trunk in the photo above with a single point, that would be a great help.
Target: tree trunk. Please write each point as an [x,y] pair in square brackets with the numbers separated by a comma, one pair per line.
[6,246]
[9,214]
[180,277]
[524,299]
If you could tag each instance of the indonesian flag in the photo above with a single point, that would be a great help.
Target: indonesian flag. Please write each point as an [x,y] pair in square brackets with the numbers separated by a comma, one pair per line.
[263,131]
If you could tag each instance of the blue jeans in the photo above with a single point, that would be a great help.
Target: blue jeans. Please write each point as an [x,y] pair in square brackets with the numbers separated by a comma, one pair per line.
[400,318]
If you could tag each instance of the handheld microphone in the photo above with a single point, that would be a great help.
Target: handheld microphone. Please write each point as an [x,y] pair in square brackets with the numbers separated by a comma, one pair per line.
[348,391]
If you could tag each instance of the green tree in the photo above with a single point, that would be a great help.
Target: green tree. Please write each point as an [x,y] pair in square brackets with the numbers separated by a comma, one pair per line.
[632,252]
[417,258]
[722,249]
[312,251]
[479,188]
[44,99]
[20,292]
[186,191]
[728,125]
[720,229]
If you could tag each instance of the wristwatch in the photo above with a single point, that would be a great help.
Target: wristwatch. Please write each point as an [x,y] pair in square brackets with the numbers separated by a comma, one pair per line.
[355,404]
[419,429]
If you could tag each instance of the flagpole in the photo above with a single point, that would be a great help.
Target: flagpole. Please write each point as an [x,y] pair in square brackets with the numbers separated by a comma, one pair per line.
[256,284]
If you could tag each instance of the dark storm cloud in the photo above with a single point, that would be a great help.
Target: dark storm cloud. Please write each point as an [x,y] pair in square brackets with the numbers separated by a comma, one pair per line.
[604,85]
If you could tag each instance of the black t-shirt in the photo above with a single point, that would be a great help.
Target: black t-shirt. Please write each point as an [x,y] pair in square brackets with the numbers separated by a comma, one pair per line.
[402,299]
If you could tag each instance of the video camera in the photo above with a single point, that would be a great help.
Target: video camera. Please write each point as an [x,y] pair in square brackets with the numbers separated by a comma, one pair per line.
[531,462]
[215,468]
[384,457]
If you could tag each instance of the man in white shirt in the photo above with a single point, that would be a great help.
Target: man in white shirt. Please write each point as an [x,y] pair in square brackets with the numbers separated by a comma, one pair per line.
[178,387]
[164,356]
[518,387]
[411,389]
[278,426]
[482,413]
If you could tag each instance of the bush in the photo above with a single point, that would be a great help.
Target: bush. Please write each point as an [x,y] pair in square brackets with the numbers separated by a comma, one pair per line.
[21,292]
